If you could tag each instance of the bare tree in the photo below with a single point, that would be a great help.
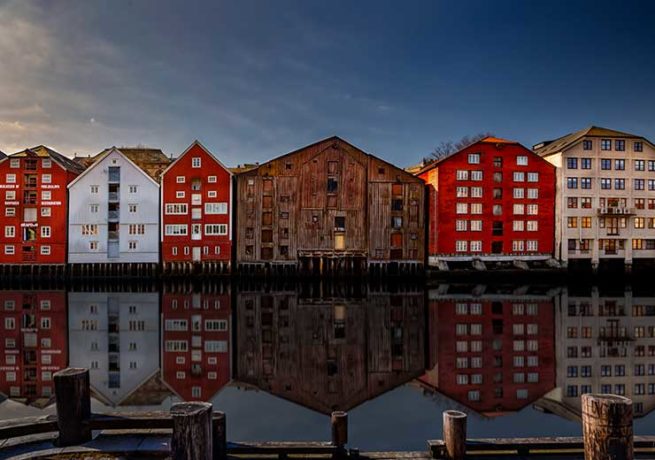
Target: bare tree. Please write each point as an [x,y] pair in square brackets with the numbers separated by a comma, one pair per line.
[447,148]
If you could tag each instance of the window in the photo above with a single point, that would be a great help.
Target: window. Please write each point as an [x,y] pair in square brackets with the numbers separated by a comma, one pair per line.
[571,182]
[180,179]
[476,246]
[461,246]
[572,202]
[462,208]
[46,195]
[10,231]
[136,229]
[497,210]
[131,245]
[619,145]
[518,226]
[211,179]
[572,222]
[474,158]
[585,203]
[462,192]
[585,163]
[498,177]
[533,226]
[215,208]
[10,195]
[585,183]
[519,193]
[498,162]
[10,212]
[46,179]
[585,222]
[522,160]
[179,194]
[216,229]
[619,184]
[605,183]
[517,246]
[518,209]
[606,144]
[587,145]
[519,176]
[461,225]
[14,163]
[177,208]
[605,164]
[619,165]
[176,230]
[212,194]
[533,177]
[46,212]
[131,208]
[93,208]
[89,229]
[533,209]
[195,162]
[476,208]
[93,245]
[640,165]
[572,163]
[11,178]
[476,175]
[639,184]
[476,192]
[476,225]
[45,250]
[462,175]
[94,188]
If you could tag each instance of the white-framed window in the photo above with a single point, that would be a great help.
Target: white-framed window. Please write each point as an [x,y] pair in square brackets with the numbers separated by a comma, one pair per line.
[212,194]
[176,325]
[14,163]
[211,179]
[93,208]
[45,304]
[532,245]
[131,208]
[46,163]
[205,250]
[46,178]
[519,193]
[462,208]
[462,192]
[476,175]
[217,250]
[518,226]
[215,325]
[10,231]
[174,250]
[518,209]
[89,229]
[10,250]
[196,162]
[519,176]
[133,188]
[180,375]
[476,208]
[196,392]
[186,250]
[179,194]
[533,209]
[215,208]
[10,212]
[11,178]
[46,212]
[518,245]
[46,195]
[177,208]
[45,322]
[533,177]
[522,160]
[180,179]
[46,358]
[176,230]
[215,346]
[45,250]
[10,323]
[176,345]
[461,246]
[10,195]
[94,189]
[533,193]
[216,229]
[533,226]
[476,225]
[461,225]
[474,158]
[462,174]
[136,229]
[131,245]
[93,245]
[476,246]
[476,192]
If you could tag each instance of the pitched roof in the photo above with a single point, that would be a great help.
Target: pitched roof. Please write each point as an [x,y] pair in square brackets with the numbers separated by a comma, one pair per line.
[2,155]
[547,148]
[42,151]
[98,158]
[194,144]
[152,161]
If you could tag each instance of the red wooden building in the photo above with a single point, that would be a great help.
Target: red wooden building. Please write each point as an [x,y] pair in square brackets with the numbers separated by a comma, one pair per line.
[491,353]
[34,206]
[196,354]
[196,212]
[492,201]
[33,344]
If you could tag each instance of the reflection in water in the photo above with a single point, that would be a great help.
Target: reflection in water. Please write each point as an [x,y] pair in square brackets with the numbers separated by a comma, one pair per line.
[487,350]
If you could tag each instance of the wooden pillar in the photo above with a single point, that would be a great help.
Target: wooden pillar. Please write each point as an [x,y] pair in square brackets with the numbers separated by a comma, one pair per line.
[339,421]
[73,398]
[219,436]
[454,434]
[192,431]
[607,427]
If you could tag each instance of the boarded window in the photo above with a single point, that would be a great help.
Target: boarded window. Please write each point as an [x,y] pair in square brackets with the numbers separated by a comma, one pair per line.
[396,239]
[396,254]
[250,233]
[332,185]
[268,185]
[250,188]
[332,167]
[397,189]
[284,215]
[267,236]
[332,201]
[267,218]
[267,202]
[413,213]
[267,253]
[339,241]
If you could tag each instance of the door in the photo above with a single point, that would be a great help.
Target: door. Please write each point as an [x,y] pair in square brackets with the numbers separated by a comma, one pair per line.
[113,249]
[196,232]
[339,241]
[196,254]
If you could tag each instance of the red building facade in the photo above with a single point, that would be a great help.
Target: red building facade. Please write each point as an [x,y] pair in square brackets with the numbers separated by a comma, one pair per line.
[196,209]
[33,344]
[34,206]
[491,354]
[196,351]
[493,200]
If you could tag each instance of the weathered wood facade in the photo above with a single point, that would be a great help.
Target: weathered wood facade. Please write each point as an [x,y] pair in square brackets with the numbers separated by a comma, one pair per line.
[330,207]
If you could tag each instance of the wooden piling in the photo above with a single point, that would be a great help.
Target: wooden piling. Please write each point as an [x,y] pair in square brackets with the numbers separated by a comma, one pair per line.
[339,421]
[607,427]
[454,434]
[192,431]
[219,436]
[73,399]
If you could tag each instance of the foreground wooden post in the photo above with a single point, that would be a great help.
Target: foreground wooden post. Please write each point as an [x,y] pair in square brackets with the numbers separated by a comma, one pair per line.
[192,431]
[454,434]
[607,427]
[339,422]
[73,399]
[219,436]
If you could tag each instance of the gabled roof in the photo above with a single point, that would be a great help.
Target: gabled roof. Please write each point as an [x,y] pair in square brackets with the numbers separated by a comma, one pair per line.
[547,148]
[151,161]
[193,144]
[101,156]
[2,155]
[486,140]
[42,151]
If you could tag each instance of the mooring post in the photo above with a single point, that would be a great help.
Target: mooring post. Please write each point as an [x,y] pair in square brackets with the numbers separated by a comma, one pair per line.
[219,436]
[454,434]
[73,399]
[607,427]
[339,422]
[192,431]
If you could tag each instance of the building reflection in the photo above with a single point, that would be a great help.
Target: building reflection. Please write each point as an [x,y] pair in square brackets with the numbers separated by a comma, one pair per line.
[490,351]
[34,344]
[328,352]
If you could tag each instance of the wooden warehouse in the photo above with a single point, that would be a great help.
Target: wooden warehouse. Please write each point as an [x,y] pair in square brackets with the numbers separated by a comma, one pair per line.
[329,208]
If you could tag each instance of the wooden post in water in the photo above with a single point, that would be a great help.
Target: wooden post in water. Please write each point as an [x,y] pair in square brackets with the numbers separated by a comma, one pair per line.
[192,431]
[454,434]
[219,436]
[73,399]
[607,427]
[339,422]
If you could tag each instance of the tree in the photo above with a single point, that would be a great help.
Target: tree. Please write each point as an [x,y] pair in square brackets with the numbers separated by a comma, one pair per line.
[447,148]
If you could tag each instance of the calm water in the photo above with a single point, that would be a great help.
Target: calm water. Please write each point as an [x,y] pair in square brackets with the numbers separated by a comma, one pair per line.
[279,358]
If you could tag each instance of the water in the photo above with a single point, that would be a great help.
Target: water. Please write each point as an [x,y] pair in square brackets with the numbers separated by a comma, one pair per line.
[279,358]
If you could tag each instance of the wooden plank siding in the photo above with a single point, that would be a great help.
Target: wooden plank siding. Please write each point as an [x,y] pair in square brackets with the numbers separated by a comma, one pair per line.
[329,200]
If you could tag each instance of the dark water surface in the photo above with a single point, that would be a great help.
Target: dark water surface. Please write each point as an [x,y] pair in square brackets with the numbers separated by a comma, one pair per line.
[279,358]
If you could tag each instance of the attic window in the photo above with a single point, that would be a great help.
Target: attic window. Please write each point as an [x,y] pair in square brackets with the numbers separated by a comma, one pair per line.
[288,166]
[381,171]
[195,162]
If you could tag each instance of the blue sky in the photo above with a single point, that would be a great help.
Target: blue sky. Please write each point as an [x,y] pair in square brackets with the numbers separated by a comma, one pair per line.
[255,79]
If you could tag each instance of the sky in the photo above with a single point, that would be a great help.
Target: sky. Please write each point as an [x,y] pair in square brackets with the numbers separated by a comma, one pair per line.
[254,79]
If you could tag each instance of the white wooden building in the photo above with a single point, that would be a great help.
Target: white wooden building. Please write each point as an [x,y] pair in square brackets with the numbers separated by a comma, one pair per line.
[113,213]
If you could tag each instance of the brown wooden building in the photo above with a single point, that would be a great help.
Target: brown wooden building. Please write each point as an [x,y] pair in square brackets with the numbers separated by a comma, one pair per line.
[330,207]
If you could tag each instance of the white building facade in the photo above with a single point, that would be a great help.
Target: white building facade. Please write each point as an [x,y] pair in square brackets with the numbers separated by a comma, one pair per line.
[113,213]
[115,336]
[605,202]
